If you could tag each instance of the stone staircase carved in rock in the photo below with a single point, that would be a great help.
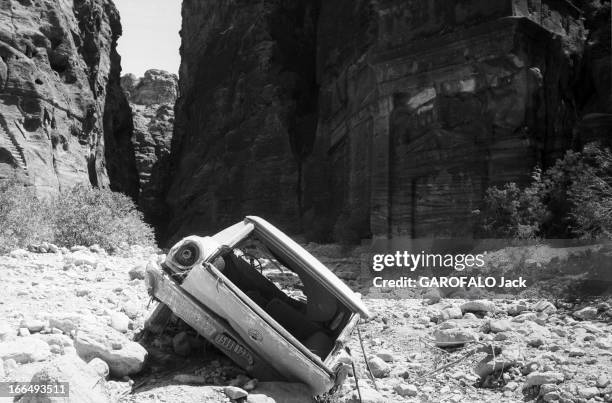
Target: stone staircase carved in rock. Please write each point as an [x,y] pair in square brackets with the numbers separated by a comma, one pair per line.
[9,142]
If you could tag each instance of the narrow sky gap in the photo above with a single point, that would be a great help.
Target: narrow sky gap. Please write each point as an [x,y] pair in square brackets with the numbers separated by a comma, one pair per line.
[150,35]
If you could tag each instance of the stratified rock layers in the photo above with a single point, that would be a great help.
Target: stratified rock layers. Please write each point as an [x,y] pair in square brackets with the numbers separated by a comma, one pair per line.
[381,118]
[63,117]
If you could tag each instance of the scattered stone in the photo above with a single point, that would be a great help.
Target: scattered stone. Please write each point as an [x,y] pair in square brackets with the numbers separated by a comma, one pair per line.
[119,321]
[25,350]
[81,258]
[234,392]
[454,336]
[137,272]
[406,390]
[470,315]
[576,352]
[540,378]
[588,392]
[131,309]
[385,355]
[33,325]
[6,332]
[23,332]
[124,357]
[10,365]
[453,312]
[544,306]
[379,368]
[85,384]
[588,313]
[500,325]
[100,367]
[478,306]
[602,381]
[509,357]
[250,385]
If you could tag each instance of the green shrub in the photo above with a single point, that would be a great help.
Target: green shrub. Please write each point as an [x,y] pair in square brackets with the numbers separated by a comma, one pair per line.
[573,198]
[87,216]
[24,219]
[79,216]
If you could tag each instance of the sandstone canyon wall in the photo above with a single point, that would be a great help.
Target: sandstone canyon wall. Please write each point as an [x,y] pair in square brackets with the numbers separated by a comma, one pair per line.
[63,117]
[390,117]
[152,99]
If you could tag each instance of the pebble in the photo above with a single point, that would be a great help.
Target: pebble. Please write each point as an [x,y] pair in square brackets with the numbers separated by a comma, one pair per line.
[576,352]
[100,367]
[500,325]
[379,368]
[137,272]
[385,355]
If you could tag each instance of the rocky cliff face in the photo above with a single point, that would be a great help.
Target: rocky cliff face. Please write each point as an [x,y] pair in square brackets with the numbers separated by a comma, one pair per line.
[152,101]
[63,117]
[246,115]
[385,118]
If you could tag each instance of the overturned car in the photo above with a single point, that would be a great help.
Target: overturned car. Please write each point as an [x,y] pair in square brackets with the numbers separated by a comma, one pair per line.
[218,286]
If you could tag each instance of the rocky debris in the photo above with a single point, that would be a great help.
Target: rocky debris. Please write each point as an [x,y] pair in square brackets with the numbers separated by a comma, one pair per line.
[124,357]
[119,321]
[478,306]
[453,312]
[509,357]
[62,107]
[587,313]
[379,368]
[100,367]
[500,325]
[406,390]
[85,384]
[453,335]
[235,393]
[24,350]
[541,378]
[137,272]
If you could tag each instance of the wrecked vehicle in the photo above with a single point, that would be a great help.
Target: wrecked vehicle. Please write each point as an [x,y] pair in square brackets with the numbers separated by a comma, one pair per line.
[217,285]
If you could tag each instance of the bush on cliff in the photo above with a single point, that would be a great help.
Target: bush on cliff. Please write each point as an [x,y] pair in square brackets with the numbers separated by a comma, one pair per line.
[79,216]
[573,198]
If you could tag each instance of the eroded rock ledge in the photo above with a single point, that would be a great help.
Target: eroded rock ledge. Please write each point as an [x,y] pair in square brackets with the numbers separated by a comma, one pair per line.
[63,117]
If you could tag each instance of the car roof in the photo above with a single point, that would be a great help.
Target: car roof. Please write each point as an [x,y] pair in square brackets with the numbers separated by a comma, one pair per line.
[291,252]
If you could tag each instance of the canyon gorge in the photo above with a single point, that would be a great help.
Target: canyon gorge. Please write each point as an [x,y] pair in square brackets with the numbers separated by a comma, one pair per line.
[380,118]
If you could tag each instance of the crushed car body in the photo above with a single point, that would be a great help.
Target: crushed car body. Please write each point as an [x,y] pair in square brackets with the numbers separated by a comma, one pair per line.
[217,285]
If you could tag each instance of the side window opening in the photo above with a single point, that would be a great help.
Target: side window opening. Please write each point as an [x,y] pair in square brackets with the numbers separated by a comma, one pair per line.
[291,297]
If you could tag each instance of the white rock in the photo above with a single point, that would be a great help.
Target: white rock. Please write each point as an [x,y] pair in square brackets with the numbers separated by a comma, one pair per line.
[453,336]
[499,325]
[7,332]
[25,350]
[453,312]
[234,392]
[119,321]
[100,367]
[124,357]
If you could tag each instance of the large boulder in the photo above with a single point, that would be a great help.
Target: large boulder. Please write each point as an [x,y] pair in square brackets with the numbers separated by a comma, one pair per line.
[84,384]
[124,357]
[24,350]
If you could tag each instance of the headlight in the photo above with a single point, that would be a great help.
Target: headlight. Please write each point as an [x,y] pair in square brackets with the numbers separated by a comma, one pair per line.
[188,254]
